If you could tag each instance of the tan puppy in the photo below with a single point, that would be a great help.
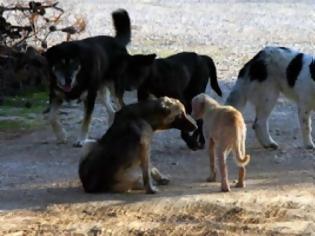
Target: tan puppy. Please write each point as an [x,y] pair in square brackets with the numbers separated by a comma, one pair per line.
[225,130]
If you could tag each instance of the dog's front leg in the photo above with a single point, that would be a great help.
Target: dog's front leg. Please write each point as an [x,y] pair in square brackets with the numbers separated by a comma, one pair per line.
[306,126]
[145,166]
[159,178]
[88,110]
[55,122]
[106,101]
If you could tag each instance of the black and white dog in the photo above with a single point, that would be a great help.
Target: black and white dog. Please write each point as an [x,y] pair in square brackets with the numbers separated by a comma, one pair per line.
[181,76]
[86,68]
[272,71]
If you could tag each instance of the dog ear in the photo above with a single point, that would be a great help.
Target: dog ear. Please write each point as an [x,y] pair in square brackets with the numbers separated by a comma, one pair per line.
[198,106]
[143,60]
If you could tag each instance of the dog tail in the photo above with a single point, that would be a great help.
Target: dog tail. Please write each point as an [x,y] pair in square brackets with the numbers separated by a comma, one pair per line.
[122,26]
[240,156]
[213,75]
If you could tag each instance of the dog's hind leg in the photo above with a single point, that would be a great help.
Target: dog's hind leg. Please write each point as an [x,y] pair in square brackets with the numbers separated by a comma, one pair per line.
[264,101]
[88,110]
[306,126]
[55,122]
[212,177]
[225,187]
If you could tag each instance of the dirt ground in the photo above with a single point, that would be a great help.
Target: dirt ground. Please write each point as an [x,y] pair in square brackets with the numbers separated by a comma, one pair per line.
[40,193]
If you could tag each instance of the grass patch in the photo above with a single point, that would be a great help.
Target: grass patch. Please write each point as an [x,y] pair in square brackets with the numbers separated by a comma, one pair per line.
[23,112]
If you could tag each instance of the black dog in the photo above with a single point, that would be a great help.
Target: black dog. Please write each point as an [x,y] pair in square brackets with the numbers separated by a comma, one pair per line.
[111,163]
[182,76]
[82,69]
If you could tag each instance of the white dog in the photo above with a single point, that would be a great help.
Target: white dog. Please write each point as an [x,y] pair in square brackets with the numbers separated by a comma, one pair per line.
[272,71]
[225,131]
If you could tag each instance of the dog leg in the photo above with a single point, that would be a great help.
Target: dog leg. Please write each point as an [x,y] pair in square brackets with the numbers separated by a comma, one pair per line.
[88,110]
[212,177]
[201,138]
[159,177]
[264,106]
[55,122]
[107,103]
[190,141]
[225,187]
[306,126]
[241,177]
[145,166]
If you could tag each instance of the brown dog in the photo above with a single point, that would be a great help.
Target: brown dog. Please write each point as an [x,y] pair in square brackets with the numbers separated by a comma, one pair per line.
[111,164]
[225,130]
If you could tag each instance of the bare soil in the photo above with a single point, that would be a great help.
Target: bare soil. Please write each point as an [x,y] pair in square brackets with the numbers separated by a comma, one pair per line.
[40,193]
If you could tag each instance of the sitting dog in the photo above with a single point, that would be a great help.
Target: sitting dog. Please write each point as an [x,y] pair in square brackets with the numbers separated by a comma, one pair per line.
[83,69]
[272,71]
[111,163]
[181,76]
[225,131]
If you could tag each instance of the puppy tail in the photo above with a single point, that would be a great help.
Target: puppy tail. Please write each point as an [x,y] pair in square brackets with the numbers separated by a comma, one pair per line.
[213,75]
[240,157]
[122,26]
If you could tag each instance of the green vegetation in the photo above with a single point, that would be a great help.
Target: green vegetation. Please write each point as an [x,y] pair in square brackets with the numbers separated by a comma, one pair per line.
[23,112]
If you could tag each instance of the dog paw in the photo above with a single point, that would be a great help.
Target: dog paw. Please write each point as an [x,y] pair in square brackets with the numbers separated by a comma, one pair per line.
[79,143]
[152,190]
[240,185]
[309,146]
[273,146]
[193,146]
[211,178]
[225,189]
[163,181]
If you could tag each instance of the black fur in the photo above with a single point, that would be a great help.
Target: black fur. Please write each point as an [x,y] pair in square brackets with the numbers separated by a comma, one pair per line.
[122,26]
[121,146]
[101,59]
[285,49]
[258,71]
[182,76]
[256,68]
[312,69]
[294,68]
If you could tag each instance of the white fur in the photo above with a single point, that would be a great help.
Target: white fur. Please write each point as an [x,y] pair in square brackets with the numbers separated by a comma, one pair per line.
[264,95]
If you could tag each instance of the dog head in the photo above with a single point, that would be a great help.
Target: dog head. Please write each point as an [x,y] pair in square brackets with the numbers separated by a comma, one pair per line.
[137,69]
[198,104]
[64,64]
[175,116]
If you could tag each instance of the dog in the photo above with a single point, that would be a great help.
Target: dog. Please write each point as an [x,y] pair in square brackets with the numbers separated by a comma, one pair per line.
[111,163]
[225,131]
[272,71]
[181,76]
[86,68]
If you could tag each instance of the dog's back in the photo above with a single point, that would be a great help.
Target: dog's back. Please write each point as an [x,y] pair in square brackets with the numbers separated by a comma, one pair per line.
[112,155]
[225,124]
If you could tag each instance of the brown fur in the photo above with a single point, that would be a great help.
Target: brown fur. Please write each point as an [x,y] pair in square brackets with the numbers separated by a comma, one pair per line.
[225,130]
[112,163]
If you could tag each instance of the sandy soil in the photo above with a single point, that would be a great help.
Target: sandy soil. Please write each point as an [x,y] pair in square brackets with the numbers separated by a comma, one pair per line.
[40,193]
